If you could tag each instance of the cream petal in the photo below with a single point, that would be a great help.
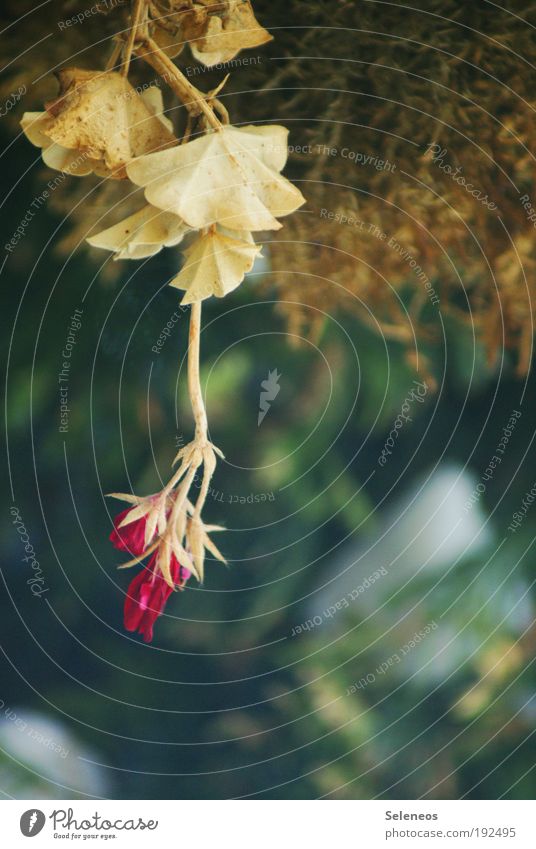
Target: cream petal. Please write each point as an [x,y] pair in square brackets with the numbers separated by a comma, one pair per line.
[142,234]
[34,126]
[68,161]
[154,101]
[222,178]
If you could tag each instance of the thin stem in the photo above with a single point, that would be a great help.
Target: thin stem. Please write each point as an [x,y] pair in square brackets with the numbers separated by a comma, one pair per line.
[138,8]
[191,97]
[114,56]
[194,383]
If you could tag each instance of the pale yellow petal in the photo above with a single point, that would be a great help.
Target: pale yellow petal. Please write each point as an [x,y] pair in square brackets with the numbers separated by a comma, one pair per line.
[221,178]
[68,161]
[142,234]
[34,126]
[153,99]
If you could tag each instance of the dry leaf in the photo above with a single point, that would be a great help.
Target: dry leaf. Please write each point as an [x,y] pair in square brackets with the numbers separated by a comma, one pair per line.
[229,176]
[98,124]
[142,234]
[215,265]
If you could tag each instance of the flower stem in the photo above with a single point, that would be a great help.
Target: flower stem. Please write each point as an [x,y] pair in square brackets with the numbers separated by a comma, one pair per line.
[194,383]
[138,8]
[191,97]
[114,56]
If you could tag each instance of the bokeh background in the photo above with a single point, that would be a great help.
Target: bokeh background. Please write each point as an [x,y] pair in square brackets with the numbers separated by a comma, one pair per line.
[373,635]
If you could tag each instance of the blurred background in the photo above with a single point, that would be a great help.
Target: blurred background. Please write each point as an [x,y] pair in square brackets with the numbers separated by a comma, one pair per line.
[373,635]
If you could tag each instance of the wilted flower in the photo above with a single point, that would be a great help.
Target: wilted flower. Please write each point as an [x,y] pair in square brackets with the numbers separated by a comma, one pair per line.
[216,32]
[225,184]
[98,124]
[129,535]
[147,595]
[216,263]
[229,176]
[142,234]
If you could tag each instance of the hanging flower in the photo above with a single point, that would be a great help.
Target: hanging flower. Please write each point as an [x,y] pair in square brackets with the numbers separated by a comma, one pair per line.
[216,32]
[229,176]
[219,37]
[142,234]
[98,123]
[147,596]
[129,537]
[216,263]
[226,184]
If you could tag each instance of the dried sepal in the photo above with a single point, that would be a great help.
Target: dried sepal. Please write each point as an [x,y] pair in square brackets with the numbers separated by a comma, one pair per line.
[98,124]
[126,496]
[136,513]
[216,264]
[164,561]
[151,525]
[142,234]
[229,176]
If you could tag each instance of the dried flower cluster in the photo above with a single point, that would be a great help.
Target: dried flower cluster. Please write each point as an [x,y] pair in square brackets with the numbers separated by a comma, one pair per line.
[217,188]
[385,87]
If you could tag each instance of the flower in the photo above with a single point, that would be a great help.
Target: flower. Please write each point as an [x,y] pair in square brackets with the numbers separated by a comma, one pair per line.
[142,234]
[147,595]
[98,123]
[216,32]
[216,264]
[221,36]
[230,176]
[130,536]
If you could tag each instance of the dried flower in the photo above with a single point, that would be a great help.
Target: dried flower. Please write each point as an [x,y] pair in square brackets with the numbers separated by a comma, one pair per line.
[216,32]
[142,234]
[225,184]
[216,264]
[98,124]
[226,33]
[229,176]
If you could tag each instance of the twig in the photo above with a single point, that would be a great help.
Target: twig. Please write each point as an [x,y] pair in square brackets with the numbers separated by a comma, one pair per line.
[138,8]
[114,56]
[192,98]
